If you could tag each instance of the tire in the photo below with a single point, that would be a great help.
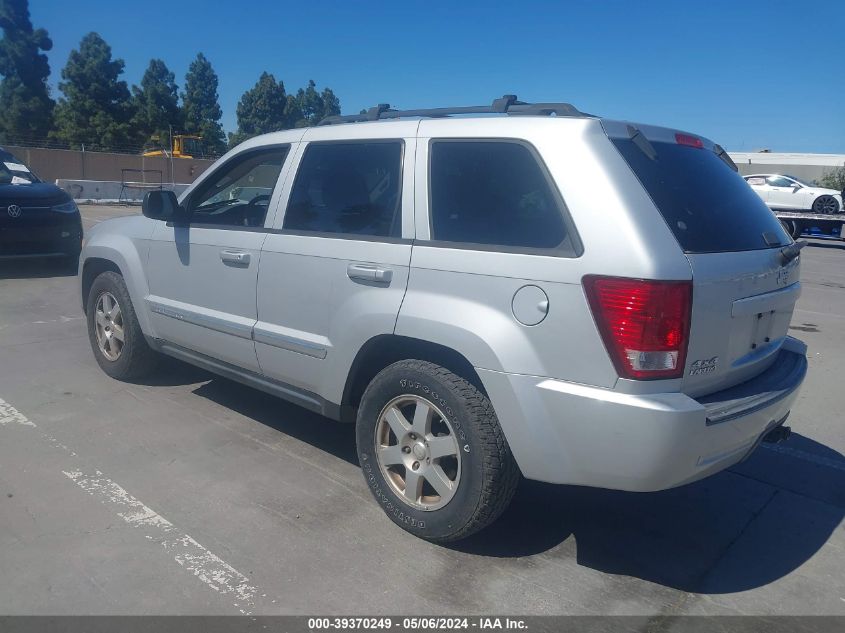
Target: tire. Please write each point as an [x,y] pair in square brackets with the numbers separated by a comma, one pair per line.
[131,359]
[482,474]
[826,205]
[788,226]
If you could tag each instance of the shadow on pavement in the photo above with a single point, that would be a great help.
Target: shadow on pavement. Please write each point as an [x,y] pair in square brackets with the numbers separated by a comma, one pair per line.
[332,437]
[737,530]
[37,268]
[740,529]
[170,372]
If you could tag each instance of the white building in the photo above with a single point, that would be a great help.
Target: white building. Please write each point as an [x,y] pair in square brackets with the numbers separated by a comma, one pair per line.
[808,167]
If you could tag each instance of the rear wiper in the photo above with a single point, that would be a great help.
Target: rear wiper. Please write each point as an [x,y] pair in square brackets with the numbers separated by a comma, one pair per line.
[642,143]
[788,253]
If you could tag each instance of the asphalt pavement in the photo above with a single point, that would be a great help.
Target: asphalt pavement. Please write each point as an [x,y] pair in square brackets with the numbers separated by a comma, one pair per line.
[191,494]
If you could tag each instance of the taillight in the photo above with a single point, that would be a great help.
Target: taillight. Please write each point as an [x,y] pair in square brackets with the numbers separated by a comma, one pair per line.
[644,324]
[687,139]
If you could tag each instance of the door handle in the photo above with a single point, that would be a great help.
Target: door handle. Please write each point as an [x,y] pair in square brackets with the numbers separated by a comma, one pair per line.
[369,272]
[235,257]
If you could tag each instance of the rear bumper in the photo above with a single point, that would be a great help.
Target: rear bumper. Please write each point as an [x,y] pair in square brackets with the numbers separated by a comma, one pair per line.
[566,433]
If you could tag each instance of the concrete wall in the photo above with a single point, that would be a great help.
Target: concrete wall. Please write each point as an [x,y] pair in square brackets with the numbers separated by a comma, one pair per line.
[110,190]
[53,164]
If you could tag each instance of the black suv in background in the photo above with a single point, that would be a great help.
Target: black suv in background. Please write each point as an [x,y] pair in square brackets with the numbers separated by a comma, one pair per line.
[37,219]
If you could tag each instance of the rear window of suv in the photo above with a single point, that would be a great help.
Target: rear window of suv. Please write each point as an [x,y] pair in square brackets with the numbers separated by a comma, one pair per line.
[707,205]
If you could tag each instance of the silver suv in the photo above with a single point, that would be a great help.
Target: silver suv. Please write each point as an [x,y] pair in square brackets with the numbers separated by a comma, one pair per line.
[521,290]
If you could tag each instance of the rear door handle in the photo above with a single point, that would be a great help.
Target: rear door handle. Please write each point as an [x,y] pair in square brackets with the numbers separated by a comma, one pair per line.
[369,272]
[235,257]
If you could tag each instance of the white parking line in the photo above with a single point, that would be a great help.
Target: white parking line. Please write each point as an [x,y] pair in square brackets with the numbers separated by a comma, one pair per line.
[10,415]
[210,569]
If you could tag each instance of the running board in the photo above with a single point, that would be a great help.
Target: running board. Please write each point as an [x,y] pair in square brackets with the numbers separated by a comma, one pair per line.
[295,395]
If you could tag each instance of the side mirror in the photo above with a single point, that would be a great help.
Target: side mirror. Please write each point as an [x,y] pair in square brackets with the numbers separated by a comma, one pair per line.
[796,187]
[163,205]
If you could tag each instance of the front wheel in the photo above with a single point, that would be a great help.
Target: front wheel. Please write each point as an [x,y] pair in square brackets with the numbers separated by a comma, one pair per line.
[432,451]
[113,330]
[826,205]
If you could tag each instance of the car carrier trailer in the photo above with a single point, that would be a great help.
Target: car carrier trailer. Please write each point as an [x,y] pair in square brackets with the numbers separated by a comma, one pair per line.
[796,222]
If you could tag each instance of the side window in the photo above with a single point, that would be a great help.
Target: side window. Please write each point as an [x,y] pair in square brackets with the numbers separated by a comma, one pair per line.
[756,180]
[780,181]
[494,193]
[238,194]
[352,188]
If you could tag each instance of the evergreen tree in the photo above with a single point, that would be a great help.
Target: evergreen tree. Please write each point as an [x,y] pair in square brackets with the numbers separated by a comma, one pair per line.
[96,109]
[331,103]
[201,108]
[26,109]
[315,106]
[293,112]
[261,109]
[157,104]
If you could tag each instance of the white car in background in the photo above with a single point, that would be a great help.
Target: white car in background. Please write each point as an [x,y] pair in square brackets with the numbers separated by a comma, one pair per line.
[788,192]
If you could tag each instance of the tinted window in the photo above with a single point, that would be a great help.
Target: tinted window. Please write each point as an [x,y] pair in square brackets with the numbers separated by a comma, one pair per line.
[348,188]
[493,192]
[239,192]
[706,204]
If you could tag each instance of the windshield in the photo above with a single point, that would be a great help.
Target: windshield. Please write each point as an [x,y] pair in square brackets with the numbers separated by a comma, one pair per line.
[708,206]
[13,172]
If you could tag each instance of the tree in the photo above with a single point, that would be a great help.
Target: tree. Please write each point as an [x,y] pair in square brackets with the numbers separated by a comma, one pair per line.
[26,109]
[316,106]
[96,109]
[834,179]
[261,109]
[156,103]
[201,108]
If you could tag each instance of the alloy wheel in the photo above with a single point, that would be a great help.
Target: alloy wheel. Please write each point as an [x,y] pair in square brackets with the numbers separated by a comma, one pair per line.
[417,452]
[108,320]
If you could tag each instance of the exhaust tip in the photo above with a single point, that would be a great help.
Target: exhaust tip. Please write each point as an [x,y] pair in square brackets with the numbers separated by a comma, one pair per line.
[777,435]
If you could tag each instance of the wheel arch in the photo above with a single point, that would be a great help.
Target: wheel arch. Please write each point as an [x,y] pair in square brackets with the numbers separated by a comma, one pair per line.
[386,349]
[123,259]
[91,269]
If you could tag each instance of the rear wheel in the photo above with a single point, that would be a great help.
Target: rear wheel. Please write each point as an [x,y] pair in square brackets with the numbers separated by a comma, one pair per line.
[113,330]
[826,204]
[432,451]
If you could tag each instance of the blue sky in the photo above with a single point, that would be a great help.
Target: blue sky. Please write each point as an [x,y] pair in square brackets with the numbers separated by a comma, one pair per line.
[746,73]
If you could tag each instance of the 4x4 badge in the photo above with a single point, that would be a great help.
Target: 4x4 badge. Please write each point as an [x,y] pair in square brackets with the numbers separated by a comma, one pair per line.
[704,366]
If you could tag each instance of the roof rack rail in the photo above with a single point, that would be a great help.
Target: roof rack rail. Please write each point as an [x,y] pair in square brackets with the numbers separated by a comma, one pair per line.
[508,104]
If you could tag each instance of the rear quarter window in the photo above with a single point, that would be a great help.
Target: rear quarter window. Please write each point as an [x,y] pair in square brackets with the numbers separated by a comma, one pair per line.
[708,206]
[496,193]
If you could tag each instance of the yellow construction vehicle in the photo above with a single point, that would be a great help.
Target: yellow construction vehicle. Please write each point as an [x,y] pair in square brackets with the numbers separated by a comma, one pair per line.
[184,146]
